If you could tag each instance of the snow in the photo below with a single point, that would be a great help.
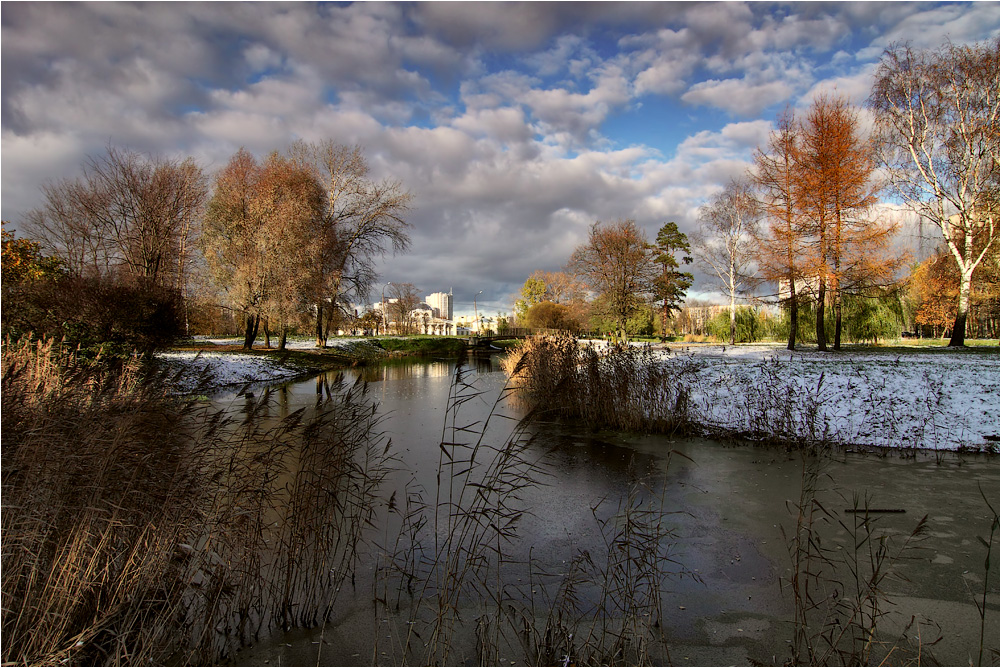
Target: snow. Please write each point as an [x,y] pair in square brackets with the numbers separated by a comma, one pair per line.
[225,368]
[936,400]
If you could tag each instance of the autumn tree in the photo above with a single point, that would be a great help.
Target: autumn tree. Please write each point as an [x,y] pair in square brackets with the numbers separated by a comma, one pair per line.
[259,238]
[670,284]
[937,120]
[723,245]
[780,241]
[127,210]
[23,260]
[557,287]
[616,263]
[288,207]
[362,221]
[849,246]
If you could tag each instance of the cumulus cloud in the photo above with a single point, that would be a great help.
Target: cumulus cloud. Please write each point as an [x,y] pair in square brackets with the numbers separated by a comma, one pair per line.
[499,117]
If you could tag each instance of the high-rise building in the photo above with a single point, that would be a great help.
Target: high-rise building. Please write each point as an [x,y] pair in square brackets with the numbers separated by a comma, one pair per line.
[441,303]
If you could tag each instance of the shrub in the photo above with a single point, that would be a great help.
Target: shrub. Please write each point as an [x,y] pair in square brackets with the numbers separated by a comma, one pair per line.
[92,311]
[751,326]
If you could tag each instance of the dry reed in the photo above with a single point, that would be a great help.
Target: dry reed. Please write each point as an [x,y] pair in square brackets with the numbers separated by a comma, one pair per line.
[138,529]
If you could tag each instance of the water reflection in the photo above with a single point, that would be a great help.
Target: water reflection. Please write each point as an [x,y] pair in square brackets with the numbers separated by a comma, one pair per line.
[727,505]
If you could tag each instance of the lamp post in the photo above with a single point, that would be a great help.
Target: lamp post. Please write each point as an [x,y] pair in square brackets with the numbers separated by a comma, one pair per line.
[476,317]
[385,324]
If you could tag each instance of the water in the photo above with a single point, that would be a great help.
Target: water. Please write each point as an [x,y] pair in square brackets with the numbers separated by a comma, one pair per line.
[729,507]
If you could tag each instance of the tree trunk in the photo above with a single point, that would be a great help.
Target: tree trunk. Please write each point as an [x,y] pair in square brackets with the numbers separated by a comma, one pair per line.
[267,334]
[250,333]
[837,316]
[821,297]
[793,313]
[282,338]
[959,327]
[321,341]
[733,320]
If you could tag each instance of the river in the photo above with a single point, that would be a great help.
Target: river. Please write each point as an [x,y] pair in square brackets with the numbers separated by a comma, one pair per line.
[729,515]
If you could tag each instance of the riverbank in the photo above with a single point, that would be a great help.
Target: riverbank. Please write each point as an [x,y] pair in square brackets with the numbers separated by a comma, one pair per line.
[857,398]
[924,397]
[212,364]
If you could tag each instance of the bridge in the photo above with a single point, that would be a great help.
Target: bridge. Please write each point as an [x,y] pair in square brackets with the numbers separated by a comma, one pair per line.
[474,340]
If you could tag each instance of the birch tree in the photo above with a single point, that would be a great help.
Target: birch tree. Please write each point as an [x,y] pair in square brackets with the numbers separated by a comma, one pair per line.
[724,243]
[937,118]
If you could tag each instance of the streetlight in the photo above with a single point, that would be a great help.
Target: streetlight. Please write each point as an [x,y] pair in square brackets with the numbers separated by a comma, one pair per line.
[476,317]
[385,325]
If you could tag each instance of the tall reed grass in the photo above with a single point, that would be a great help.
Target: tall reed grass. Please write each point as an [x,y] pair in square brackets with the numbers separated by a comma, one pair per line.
[139,529]
[618,388]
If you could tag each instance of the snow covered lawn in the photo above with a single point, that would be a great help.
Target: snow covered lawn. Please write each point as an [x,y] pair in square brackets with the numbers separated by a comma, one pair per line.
[938,400]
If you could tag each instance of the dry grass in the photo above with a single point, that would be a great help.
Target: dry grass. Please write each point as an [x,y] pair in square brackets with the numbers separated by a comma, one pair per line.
[141,530]
[562,378]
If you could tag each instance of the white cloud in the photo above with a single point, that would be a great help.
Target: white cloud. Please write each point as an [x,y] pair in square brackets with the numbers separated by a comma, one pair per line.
[738,96]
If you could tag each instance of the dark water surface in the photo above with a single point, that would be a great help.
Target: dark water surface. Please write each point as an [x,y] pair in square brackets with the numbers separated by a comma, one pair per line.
[732,509]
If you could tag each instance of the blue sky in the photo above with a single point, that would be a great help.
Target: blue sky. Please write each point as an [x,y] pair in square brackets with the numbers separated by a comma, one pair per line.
[515,125]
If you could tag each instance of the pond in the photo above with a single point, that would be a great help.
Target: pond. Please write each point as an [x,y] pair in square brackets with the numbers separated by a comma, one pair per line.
[725,528]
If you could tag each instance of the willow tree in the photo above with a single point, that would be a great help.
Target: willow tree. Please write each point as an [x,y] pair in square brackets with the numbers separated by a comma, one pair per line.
[937,120]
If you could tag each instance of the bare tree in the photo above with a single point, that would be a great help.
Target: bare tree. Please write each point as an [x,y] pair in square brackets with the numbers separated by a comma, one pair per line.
[362,220]
[128,210]
[404,300]
[617,263]
[724,244]
[937,118]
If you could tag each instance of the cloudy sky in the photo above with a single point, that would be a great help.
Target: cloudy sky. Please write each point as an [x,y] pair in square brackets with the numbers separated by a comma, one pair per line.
[516,126]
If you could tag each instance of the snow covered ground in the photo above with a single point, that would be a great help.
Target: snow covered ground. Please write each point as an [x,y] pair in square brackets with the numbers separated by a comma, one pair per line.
[235,368]
[935,399]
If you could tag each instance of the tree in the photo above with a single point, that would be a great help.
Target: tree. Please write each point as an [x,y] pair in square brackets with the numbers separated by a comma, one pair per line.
[288,207]
[550,315]
[259,238]
[724,244]
[128,210]
[934,285]
[362,220]
[780,241]
[559,287]
[836,168]
[616,263]
[937,119]
[532,292]
[670,285]
[23,260]
[404,300]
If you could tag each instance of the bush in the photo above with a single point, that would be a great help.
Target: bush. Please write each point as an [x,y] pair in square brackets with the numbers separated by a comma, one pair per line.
[93,311]
[751,325]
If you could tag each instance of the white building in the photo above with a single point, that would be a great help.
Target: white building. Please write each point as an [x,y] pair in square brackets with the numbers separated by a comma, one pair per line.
[441,303]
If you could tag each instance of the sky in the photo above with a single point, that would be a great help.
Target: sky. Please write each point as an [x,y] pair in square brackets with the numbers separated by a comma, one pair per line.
[516,126]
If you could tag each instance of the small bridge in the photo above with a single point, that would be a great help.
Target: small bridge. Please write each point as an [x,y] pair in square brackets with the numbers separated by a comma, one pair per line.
[476,340]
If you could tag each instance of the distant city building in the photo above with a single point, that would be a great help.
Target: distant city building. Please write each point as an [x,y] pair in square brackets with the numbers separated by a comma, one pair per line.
[441,303]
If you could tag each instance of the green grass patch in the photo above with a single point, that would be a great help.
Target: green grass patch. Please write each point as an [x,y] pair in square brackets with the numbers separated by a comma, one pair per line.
[421,345]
